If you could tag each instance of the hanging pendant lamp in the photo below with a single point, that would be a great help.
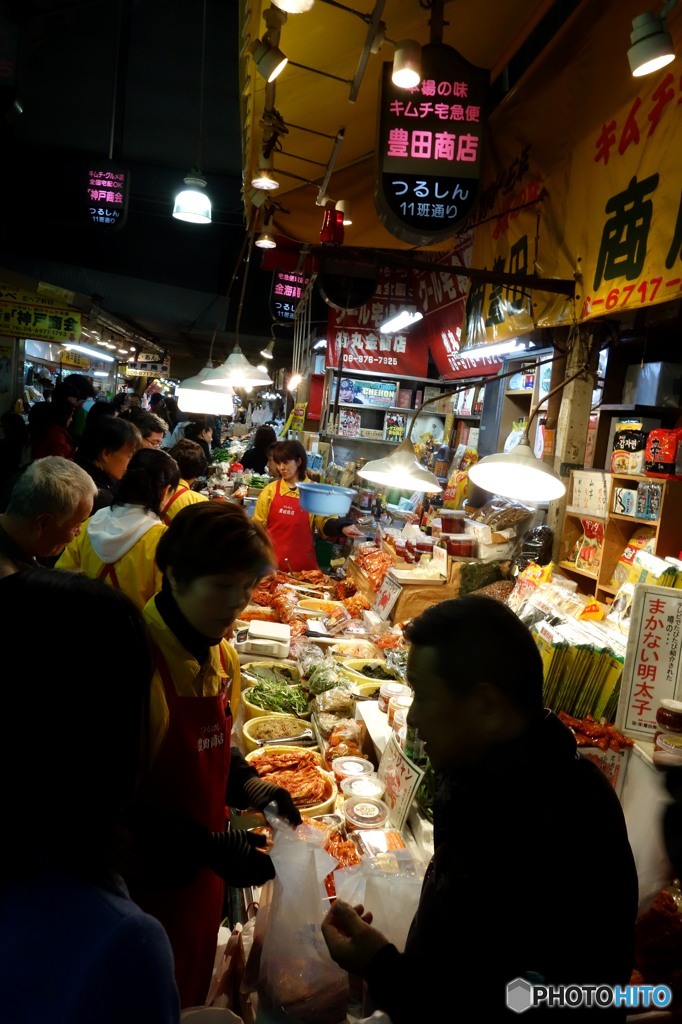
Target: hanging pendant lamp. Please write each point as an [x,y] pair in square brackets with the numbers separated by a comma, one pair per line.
[238,372]
[215,401]
[401,469]
[192,203]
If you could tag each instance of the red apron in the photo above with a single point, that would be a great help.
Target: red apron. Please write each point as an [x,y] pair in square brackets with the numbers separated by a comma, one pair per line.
[190,776]
[290,533]
[108,574]
[164,512]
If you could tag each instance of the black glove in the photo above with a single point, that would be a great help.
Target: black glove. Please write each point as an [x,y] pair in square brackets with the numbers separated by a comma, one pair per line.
[236,856]
[261,793]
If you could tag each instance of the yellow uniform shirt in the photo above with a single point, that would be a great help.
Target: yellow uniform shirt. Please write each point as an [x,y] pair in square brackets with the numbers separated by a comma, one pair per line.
[190,678]
[181,497]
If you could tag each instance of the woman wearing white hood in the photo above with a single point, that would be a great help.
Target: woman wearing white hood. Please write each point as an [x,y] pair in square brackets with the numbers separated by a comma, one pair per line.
[118,543]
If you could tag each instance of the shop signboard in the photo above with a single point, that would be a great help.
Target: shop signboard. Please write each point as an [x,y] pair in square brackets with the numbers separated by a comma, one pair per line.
[67,357]
[149,365]
[32,315]
[105,195]
[287,288]
[653,659]
[430,148]
[379,394]
[401,778]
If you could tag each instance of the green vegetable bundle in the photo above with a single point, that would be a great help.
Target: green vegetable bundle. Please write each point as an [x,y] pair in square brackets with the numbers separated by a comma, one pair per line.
[281,697]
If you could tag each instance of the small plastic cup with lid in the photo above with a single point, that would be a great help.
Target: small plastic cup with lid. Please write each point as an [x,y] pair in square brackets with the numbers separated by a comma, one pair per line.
[365,812]
[351,767]
[399,720]
[402,701]
[388,690]
[363,785]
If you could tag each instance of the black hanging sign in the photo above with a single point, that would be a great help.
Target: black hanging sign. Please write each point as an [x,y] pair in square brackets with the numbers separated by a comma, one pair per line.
[105,195]
[287,288]
[430,148]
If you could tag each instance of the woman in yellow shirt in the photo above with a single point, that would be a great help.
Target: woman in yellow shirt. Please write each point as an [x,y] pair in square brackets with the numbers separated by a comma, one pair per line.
[118,543]
[192,464]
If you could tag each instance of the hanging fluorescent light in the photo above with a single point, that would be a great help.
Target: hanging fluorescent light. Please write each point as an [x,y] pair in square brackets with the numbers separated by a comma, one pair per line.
[267,352]
[344,206]
[400,321]
[238,372]
[407,64]
[401,469]
[101,373]
[90,352]
[269,59]
[192,204]
[215,401]
[502,348]
[319,344]
[652,48]
[518,474]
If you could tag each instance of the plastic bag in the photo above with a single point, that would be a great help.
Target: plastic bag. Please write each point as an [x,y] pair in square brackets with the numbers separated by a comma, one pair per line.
[536,546]
[298,980]
[389,886]
[308,656]
[323,676]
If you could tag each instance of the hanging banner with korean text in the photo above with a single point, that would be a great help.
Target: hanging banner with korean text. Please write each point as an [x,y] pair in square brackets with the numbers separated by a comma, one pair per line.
[653,660]
[287,288]
[31,315]
[356,332]
[593,193]
[106,192]
[430,147]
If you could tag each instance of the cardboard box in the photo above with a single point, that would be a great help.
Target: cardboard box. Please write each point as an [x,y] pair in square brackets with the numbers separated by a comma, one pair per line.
[653,384]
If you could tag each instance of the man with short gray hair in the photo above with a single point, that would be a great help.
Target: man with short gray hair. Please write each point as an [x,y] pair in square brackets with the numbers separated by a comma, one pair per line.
[47,507]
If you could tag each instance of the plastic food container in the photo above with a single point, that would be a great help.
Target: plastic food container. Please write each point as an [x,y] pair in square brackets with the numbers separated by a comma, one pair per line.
[325,499]
[402,701]
[351,767]
[452,520]
[399,722]
[389,690]
[365,812]
[363,786]
[461,545]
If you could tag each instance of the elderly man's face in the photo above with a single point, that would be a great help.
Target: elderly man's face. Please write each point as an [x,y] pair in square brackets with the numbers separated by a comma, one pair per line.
[54,534]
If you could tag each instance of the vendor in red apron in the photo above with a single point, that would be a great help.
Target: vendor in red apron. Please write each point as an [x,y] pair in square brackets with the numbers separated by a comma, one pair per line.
[290,527]
[211,557]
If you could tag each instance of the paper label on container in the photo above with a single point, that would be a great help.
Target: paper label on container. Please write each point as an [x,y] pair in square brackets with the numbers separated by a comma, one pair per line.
[401,778]
[388,594]
[653,660]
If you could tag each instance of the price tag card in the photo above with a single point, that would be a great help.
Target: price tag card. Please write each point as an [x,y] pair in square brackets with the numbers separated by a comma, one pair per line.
[440,558]
[388,594]
[401,778]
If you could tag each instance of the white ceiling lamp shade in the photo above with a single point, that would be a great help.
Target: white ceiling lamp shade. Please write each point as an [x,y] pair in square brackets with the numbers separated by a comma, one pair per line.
[294,6]
[192,203]
[344,206]
[518,474]
[652,47]
[269,59]
[400,321]
[407,64]
[268,351]
[401,469]
[215,401]
[238,372]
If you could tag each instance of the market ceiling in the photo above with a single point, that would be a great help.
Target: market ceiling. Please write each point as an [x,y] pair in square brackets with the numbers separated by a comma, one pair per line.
[83,95]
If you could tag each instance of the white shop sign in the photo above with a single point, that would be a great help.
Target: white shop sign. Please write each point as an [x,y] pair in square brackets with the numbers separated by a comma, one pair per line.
[653,659]
[387,595]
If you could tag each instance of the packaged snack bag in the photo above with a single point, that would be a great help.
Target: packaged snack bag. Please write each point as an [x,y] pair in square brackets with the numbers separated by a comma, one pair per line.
[663,453]
[627,454]
[643,539]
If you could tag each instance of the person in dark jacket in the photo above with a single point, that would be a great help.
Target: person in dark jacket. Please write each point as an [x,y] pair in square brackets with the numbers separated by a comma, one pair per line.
[528,841]
[256,457]
[108,445]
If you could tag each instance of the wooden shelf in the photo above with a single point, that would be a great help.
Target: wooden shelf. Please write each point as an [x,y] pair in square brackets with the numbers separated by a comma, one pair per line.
[365,440]
[520,393]
[634,519]
[390,408]
[586,515]
[581,572]
[609,588]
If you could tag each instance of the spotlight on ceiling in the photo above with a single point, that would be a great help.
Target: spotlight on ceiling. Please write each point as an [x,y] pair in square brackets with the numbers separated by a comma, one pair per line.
[407,64]
[267,352]
[269,59]
[652,48]
[294,6]
[265,178]
[192,204]
[344,206]
[265,241]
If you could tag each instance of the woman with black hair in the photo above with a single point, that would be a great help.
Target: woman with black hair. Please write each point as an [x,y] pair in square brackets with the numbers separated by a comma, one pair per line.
[75,948]
[118,543]
[105,451]
[192,464]
[256,457]
[290,527]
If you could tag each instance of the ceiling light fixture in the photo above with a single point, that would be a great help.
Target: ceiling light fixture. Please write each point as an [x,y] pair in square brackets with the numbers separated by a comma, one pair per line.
[192,203]
[269,59]
[265,241]
[344,206]
[401,469]
[90,352]
[215,401]
[400,321]
[294,6]
[407,64]
[237,371]
[652,47]
[267,352]
[320,344]
[294,382]
[265,178]
[502,348]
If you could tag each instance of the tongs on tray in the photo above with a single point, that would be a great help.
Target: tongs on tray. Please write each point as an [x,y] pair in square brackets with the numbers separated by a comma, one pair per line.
[306,738]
